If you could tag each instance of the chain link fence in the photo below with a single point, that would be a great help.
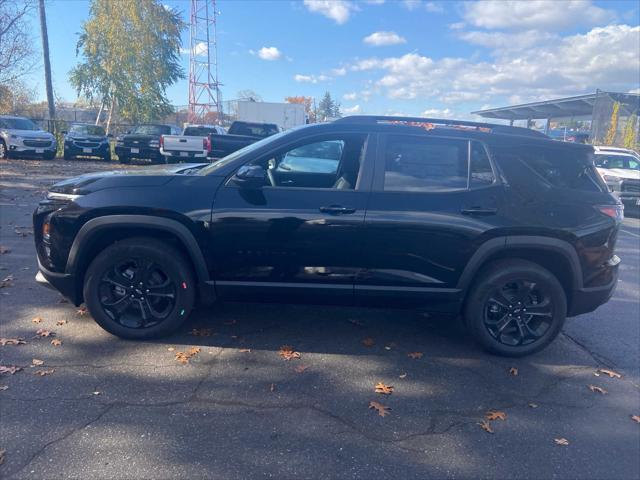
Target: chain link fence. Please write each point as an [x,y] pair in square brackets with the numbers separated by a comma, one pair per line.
[615,120]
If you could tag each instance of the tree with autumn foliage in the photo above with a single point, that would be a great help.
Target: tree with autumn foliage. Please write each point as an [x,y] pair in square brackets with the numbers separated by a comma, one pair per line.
[130,54]
[308,106]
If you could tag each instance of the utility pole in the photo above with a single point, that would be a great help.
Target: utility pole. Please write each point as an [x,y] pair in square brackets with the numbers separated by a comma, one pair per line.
[47,63]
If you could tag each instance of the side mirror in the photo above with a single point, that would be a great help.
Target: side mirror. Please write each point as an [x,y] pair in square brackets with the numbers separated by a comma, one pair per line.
[250,176]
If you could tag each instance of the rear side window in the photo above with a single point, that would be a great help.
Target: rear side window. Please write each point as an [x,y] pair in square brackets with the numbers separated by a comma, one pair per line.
[560,167]
[419,164]
[481,171]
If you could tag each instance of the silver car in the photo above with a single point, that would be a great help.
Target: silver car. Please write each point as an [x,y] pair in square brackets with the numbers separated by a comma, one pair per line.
[20,137]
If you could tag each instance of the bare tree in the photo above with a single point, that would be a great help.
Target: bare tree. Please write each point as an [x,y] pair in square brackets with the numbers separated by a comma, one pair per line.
[17,56]
[47,63]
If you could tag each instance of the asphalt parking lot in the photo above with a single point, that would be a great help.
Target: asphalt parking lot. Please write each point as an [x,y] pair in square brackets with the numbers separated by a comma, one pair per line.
[108,408]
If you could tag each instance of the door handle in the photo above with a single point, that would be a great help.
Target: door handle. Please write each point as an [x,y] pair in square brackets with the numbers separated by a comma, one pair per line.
[479,211]
[337,210]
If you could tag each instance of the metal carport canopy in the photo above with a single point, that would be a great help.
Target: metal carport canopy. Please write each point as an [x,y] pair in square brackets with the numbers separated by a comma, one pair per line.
[581,105]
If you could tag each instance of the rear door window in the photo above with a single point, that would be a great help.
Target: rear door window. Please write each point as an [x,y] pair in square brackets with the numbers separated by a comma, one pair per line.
[481,172]
[421,164]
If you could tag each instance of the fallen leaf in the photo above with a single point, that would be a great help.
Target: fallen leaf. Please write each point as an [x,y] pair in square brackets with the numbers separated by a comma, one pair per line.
[184,357]
[42,373]
[2,455]
[287,352]
[368,342]
[12,341]
[36,362]
[380,408]
[61,322]
[301,368]
[56,343]
[9,369]
[387,347]
[96,393]
[36,319]
[513,371]
[561,441]
[415,355]
[486,426]
[82,311]
[384,389]
[202,332]
[635,418]
[6,282]
[595,388]
[3,387]
[611,373]
[171,349]
[495,415]
[41,332]
[245,350]
[533,405]
[402,375]
[4,250]
[272,387]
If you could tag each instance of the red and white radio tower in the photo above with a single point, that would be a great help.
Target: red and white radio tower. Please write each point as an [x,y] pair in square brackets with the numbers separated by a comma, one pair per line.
[204,88]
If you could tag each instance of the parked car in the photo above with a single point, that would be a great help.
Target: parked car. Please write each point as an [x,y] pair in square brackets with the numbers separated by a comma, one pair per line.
[566,135]
[20,137]
[240,135]
[84,140]
[502,224]
[194,143]
[142,142]
[620,168]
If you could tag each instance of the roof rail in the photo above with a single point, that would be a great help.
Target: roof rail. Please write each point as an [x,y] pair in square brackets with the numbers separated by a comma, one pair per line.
[441,122]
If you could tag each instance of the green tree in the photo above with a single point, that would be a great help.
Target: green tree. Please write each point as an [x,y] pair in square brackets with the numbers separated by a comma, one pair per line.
[328,108]
[130,55]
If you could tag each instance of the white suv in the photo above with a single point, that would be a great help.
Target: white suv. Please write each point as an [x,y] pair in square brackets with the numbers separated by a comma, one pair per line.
[620,168]
[20,137]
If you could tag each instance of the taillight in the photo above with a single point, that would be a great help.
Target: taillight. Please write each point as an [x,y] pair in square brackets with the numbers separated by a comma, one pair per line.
[161,141]
[614,211]
[206,144]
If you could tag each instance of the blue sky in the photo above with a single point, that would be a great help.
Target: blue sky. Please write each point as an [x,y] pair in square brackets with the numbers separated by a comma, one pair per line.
[442,58]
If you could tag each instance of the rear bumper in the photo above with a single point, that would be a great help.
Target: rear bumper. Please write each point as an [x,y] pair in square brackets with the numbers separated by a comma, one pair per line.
[177,154]
[65,283]
[586,300]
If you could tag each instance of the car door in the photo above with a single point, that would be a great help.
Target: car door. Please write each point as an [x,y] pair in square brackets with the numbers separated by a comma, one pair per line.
[434,200]
[299,236]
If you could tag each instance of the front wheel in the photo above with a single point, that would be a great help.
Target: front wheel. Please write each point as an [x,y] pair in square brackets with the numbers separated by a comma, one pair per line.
[515,308]
[4,153]
[139,288]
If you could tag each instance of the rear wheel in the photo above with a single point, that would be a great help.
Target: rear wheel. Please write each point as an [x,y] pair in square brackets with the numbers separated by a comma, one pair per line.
[68,156]
[4,153]
[139,288]
[515,308]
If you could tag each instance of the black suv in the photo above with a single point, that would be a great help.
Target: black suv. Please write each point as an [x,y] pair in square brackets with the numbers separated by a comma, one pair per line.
[86,141]
[499,223]
[143,142]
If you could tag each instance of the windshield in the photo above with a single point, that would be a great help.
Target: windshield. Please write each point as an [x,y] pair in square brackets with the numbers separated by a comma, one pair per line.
[87,130]
[625,162]
[151,130]
[238,153]
[18,124]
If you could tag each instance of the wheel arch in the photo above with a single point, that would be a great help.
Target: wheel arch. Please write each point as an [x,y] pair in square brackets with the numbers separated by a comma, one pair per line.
[557,256]
[100,232]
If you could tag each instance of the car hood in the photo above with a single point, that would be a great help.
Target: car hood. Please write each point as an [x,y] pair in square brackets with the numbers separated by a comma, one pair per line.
[140,177]
[620,172]
[35,134]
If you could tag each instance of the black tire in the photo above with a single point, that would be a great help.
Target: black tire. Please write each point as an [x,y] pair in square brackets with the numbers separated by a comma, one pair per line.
[107,157]
[4,153]
[68,157]
[515,308]
[124,159]
[106,291]
[49,155]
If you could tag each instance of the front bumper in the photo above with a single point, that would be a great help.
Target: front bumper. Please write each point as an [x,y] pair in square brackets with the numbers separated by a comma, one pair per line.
[152,153]
[584,300]
[22,150]
[65,283]
[74,150]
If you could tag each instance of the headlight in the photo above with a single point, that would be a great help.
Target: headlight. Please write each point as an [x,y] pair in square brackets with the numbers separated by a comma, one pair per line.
[612,178]
[154,143]
[62,196]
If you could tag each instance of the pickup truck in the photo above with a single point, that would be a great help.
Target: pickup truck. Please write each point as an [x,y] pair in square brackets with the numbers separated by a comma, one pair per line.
[143,141]
[240,135]
[192,144]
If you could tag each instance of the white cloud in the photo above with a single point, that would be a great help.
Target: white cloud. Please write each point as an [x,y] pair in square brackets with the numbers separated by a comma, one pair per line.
[502,41]
[350,96]
[605,58]
[337,10]
[350,110]
[339,72]
[311,78]
[534,14]
[434,7]
[268,53]
[439,113]
[635,90]
[411,4]
[379,39]
[199,48]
